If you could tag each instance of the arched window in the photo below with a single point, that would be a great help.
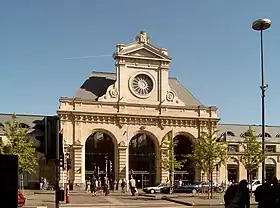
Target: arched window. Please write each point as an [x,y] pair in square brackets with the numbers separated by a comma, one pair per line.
[277,135]
[244,134]
[230,133]
[23,125]
[266,135]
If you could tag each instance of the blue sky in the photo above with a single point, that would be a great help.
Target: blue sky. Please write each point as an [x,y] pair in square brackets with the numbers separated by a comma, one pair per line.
[215,53]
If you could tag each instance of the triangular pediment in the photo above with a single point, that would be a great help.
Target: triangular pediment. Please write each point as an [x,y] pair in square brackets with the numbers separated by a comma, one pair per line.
[143,51]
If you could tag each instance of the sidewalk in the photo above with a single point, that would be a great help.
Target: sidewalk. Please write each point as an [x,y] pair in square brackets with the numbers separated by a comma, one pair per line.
[193,200]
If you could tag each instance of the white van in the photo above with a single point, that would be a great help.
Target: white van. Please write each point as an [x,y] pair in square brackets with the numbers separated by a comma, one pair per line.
[255,184]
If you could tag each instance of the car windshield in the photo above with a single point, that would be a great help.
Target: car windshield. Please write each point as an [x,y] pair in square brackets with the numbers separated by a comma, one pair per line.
[162,184]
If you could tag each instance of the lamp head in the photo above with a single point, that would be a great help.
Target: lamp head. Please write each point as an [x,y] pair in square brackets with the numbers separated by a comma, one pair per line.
[261,24]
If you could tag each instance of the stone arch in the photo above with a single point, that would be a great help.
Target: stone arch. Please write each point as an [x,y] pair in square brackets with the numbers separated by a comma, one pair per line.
[233,169]
[270,161]
[186,134]
[150,173]
[103,130]
[233,161]
[270,168]
[184,145]
[182,133]
[112,157]
[148,133]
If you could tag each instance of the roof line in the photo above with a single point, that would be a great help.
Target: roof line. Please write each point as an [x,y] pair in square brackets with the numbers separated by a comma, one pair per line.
[102,72]
[20,114]
[186,89]
[235,124]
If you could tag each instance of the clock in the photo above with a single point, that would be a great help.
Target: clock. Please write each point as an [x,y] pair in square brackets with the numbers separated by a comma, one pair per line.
[142,85]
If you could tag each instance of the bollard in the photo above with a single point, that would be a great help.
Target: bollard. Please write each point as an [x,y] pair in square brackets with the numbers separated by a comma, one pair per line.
[67,194]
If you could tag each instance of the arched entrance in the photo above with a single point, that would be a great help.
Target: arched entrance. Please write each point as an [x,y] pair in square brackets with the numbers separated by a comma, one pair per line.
[270,168]
[100,155]
[183,147]
[233,170]
[142,160]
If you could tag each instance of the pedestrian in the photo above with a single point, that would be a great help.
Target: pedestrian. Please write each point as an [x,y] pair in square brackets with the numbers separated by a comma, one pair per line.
[276,192]
[106,186]
[180,182]
[123,185]
[88,189]
[132,184]
[267,194]
[93,186]
[41,183]
[237,196]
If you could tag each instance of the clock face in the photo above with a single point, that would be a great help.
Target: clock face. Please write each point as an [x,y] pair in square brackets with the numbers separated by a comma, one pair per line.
[142,85]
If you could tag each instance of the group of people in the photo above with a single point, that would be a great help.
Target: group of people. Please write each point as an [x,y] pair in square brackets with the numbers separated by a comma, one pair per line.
[267,195]
[104,185]
[99,184]
[44,185]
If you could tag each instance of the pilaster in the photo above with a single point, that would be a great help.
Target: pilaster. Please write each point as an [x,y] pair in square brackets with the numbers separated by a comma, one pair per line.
[123,162]
[78,158]
[164,172]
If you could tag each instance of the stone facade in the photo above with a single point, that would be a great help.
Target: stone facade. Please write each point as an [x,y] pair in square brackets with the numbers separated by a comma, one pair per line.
[127,108]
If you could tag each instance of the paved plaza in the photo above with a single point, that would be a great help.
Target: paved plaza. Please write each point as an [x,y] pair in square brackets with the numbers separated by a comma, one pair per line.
[45,199]
[82,199]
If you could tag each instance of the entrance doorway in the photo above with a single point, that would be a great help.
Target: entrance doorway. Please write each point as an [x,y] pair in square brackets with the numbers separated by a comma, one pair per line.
[183,147]
[99,156]
[270,171]
[233,173]
[142,162]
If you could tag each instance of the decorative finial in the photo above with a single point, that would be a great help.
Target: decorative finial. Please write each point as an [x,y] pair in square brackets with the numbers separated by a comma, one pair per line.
[143,37]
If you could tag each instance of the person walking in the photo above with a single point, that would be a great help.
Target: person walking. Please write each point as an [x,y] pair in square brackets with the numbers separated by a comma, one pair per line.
[106,186]
[132,184]
[237,196]
[123,185]
[93,186]
[267,194]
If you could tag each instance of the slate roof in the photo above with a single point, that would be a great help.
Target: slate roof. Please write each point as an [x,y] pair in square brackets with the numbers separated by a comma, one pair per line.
[98,82]
[29,120]
[238,129]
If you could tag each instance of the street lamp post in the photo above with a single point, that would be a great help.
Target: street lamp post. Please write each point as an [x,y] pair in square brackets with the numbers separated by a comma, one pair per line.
[261,25]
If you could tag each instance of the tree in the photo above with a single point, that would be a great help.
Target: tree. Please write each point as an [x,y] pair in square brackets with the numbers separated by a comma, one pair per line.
[18,144]
[169,161]
[208,153]
[251,156]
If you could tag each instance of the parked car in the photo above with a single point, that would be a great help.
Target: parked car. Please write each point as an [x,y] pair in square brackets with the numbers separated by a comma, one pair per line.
[182,189]
[255,185]
[155,189]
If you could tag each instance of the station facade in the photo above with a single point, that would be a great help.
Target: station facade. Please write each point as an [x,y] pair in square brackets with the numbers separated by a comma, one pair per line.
[118,123]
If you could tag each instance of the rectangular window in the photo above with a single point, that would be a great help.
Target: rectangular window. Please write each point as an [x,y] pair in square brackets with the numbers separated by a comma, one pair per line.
[233,148]
[270,148]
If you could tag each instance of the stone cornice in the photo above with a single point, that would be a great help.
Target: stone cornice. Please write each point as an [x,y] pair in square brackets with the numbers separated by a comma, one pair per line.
[121,120]
[81,101]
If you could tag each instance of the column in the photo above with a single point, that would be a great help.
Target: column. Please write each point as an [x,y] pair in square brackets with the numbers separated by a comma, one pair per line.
[164,157]
[242,172]
[259,174]
[77,166]
[123,162]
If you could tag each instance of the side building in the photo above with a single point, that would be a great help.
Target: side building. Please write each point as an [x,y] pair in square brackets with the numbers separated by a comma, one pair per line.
[35,126]
[235,170]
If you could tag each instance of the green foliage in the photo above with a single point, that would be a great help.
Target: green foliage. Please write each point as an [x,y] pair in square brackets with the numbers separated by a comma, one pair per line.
[251,156]
[169,160]
[19,144]
[208,153]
